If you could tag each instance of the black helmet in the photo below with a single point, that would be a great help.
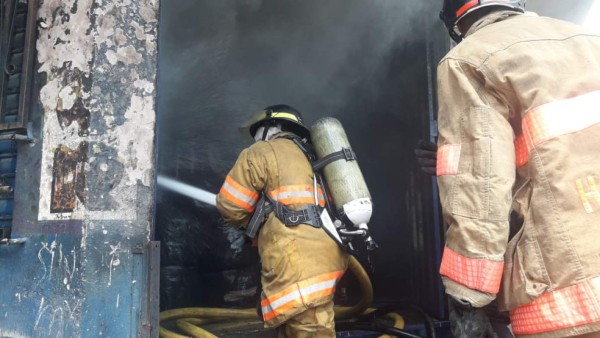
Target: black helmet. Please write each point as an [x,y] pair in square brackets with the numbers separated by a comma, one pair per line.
[289,118]
[455,10]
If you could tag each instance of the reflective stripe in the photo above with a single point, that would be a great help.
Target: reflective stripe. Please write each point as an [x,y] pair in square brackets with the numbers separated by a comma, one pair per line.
[466,7]
[238,194]
[448,157]
[297,194]
[300,294]
[285,116]
[558,118]
[521,154]
[572,306]
[587,194]
[475,273]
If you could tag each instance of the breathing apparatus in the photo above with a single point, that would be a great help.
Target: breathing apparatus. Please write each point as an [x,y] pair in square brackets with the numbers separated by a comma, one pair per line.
[352,202]
[348,205]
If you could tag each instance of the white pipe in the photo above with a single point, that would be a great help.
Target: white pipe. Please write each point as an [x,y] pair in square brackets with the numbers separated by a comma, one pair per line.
[187,190]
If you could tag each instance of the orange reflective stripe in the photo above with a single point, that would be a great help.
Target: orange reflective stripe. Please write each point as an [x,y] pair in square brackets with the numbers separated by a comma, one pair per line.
[572,306]
[250,193]
[558,118]
[297,194]
[448,157]
[295,303]
[231,198]
[300,293]
[238,194]
[476,273]
[466,7]
[521,153]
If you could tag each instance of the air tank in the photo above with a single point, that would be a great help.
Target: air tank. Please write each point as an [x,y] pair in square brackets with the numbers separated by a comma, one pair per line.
[346,183]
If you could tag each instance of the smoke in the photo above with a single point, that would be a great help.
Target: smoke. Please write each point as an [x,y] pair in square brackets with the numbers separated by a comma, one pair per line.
[362,61]
[222,60]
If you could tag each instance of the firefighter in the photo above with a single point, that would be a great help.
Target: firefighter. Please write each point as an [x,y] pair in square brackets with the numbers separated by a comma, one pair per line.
[301,264]
[519,129]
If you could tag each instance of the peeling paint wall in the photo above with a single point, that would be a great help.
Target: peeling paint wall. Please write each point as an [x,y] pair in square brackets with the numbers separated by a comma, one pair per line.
[99,94]
[84,194]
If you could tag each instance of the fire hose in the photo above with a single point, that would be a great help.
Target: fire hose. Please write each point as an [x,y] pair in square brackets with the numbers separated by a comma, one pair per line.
[188,320]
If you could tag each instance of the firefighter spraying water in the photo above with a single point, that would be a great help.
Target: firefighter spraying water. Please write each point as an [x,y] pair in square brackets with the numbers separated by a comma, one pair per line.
[301,187]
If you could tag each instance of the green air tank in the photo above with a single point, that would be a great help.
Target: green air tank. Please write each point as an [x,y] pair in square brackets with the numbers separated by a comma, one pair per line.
[344,178]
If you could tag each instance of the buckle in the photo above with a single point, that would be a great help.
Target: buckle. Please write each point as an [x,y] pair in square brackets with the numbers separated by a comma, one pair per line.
[349,154]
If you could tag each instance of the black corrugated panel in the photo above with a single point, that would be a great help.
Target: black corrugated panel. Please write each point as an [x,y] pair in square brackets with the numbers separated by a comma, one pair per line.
[13,23]
[8,161]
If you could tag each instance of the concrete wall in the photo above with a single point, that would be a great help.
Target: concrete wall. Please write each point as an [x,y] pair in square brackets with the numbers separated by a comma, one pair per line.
[84,194]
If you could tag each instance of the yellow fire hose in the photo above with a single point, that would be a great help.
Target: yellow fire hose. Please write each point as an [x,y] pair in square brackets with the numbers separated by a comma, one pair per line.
[188,319]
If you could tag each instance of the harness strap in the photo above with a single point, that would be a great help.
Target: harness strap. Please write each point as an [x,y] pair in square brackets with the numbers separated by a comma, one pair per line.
[344,154]
[308,215]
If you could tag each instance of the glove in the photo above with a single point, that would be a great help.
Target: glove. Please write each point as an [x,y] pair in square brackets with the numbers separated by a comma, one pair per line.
[467,321]
[426,156]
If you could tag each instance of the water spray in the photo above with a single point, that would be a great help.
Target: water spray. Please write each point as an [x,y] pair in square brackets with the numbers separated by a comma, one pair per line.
[187,190]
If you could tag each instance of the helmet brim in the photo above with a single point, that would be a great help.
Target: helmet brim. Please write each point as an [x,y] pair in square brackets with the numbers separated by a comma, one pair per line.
[288,121]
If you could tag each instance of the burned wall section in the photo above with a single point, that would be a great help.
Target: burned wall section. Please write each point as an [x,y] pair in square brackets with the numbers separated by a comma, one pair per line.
[84,191]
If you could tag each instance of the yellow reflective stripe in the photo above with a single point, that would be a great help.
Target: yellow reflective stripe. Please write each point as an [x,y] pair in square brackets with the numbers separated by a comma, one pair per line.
[586,195]
[285,116]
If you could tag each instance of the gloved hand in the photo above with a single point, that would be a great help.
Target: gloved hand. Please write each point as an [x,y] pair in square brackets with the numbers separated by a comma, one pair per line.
[467,321]
[426,156]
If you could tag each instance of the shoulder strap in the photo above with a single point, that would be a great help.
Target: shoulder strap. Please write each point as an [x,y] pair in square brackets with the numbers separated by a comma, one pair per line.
[305,147]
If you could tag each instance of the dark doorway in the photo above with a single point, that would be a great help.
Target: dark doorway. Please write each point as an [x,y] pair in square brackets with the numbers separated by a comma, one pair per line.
[368,63]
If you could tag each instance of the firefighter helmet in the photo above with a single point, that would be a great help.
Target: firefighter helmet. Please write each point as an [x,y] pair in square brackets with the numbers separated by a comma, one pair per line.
[454,10]
[289,118]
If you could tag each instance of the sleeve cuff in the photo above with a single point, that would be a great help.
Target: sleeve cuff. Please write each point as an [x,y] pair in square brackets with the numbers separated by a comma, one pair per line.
[475,298]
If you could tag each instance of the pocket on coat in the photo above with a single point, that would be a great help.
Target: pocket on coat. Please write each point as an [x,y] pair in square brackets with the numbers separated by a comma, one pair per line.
[533,270]
[473,199]
[525,277]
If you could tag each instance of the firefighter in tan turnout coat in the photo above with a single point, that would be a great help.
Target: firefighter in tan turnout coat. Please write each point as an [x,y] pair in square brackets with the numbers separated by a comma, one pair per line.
[301,264]
[519,128]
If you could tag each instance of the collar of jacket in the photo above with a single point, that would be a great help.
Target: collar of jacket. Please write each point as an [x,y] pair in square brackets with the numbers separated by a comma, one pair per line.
[281,134]
[490,19]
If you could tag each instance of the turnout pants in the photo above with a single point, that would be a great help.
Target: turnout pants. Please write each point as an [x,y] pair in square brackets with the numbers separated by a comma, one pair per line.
[315,322]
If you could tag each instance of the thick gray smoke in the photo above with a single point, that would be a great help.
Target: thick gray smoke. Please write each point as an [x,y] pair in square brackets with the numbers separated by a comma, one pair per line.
[222,60]
[364,62]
